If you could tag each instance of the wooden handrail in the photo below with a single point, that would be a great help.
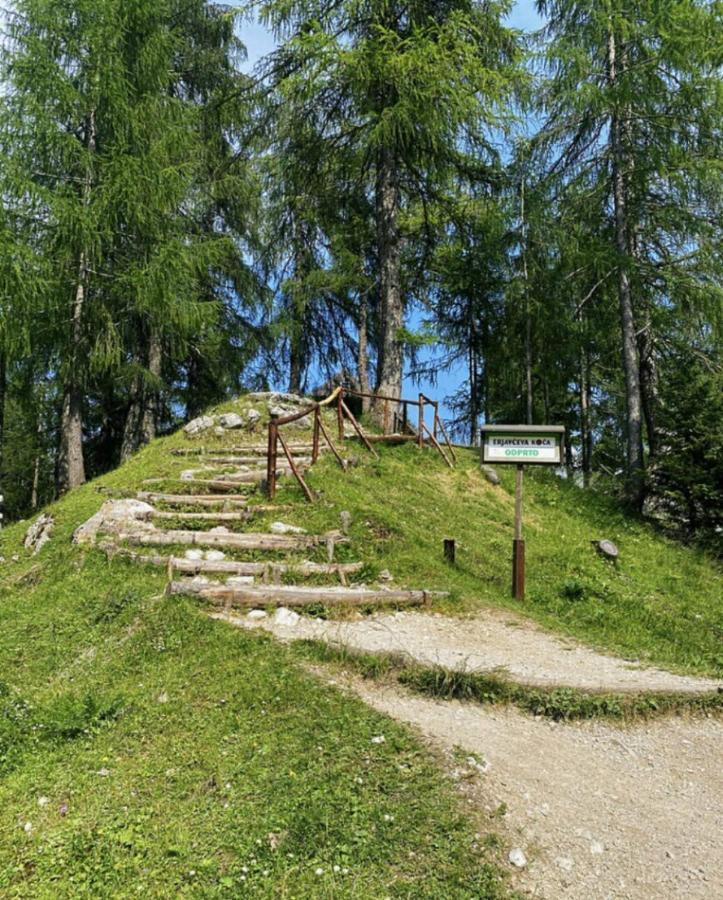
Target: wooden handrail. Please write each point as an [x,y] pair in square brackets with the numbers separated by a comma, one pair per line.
[319,429]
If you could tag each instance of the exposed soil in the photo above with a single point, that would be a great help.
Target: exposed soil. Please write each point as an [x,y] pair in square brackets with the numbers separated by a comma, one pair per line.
[492,641]
[600,812]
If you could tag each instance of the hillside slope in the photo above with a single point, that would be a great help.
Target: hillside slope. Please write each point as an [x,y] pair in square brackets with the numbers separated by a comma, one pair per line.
[146,748]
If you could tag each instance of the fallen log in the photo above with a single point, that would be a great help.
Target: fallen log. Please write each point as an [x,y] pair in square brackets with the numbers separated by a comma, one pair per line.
[265,595]
[255,450]
[219,487]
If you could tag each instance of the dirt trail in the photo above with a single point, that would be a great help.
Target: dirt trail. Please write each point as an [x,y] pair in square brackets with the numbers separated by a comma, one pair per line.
[490,641]
[600,812]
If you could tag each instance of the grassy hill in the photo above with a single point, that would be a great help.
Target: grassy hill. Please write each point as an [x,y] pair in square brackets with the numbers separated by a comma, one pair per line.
[146,749]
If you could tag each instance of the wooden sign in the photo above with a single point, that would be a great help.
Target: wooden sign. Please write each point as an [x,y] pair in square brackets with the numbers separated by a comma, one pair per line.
[541,445]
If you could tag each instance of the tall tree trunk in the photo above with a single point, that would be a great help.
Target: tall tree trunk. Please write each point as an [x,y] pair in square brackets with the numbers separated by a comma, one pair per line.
[529,416]
[362,364]
[649,381]
[585,423]
[132,425]
[391,349]
[3,390]
[151,395]
[631,365]
[71,466]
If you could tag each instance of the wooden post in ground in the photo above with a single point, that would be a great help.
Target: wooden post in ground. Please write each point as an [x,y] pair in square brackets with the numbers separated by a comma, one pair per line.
[271,457]
[518,544]
[315,442]
[340,416]
[449,550]
[420,437]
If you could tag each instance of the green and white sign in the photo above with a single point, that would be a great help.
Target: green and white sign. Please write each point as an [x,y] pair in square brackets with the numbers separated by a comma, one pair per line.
[536,444]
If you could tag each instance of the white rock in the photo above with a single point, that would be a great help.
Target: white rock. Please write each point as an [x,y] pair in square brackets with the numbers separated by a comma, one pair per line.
[283,528]
[517,858]
[214,555]
[219,431]
[565,863]
[230,420]
[196,426]
[200,580]
[378,739]
[257,614]
[385,576]
[193,554]
[252,417]
[43,801]
[104,773]
[114,516]
[219,529]
[39,533]
[597,847]
[286,617]
[163,697]
[28,827]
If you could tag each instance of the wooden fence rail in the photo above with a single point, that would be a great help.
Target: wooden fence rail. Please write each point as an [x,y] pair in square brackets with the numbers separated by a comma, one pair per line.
[344,413]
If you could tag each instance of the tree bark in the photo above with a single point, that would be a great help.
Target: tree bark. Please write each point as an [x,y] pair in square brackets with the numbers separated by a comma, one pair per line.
[363,352]
[132,426]
[151,395]
[391,349]
[585,423]
[71,466]
[649,382]
[3,390]
[529,416]
[631,363]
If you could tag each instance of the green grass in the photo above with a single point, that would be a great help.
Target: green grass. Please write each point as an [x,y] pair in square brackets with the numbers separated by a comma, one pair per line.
[559,704]
[165,747]
[660,603]
[150,751]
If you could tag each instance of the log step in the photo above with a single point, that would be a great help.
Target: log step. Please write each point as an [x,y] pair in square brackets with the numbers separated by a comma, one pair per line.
[233,567]
[257,462]
[219,517]
[197,500]
[255,451]
[232,540]
[220,487]
[265,595]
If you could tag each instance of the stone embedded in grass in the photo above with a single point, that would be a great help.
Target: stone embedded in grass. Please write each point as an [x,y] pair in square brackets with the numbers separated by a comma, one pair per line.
[214,555]
[285,617]
[283,528]
[230,420]
[39,533]
[378,739]
[517,858]
[197,426]
[491,475]
[257,614]
[194,554]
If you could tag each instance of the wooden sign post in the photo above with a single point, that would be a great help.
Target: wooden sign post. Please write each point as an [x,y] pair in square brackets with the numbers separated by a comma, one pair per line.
[541,445]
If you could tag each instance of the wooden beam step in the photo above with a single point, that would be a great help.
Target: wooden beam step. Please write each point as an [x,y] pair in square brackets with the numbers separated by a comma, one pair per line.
[220,487]
[253,461]
[197,500]
[219,517]
[231,540]
[255,450]
[267,595]
[232,567]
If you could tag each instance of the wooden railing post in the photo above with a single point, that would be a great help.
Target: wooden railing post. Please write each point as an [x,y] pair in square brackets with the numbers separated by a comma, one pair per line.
[271,456]
[315,444]
[340,416]
[436,419]
[404,417]
[421,421]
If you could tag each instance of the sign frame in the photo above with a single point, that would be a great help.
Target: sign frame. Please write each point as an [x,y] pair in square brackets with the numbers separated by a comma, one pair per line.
[514,450]
[519,433]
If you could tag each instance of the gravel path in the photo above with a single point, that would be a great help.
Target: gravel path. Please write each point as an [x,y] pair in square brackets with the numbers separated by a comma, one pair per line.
[600,812]
[488,642]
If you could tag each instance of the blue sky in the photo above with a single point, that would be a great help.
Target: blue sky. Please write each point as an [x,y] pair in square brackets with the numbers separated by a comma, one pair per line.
[259,42]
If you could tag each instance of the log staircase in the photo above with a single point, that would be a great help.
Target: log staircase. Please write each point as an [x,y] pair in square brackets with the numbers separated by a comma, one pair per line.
[205,518]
